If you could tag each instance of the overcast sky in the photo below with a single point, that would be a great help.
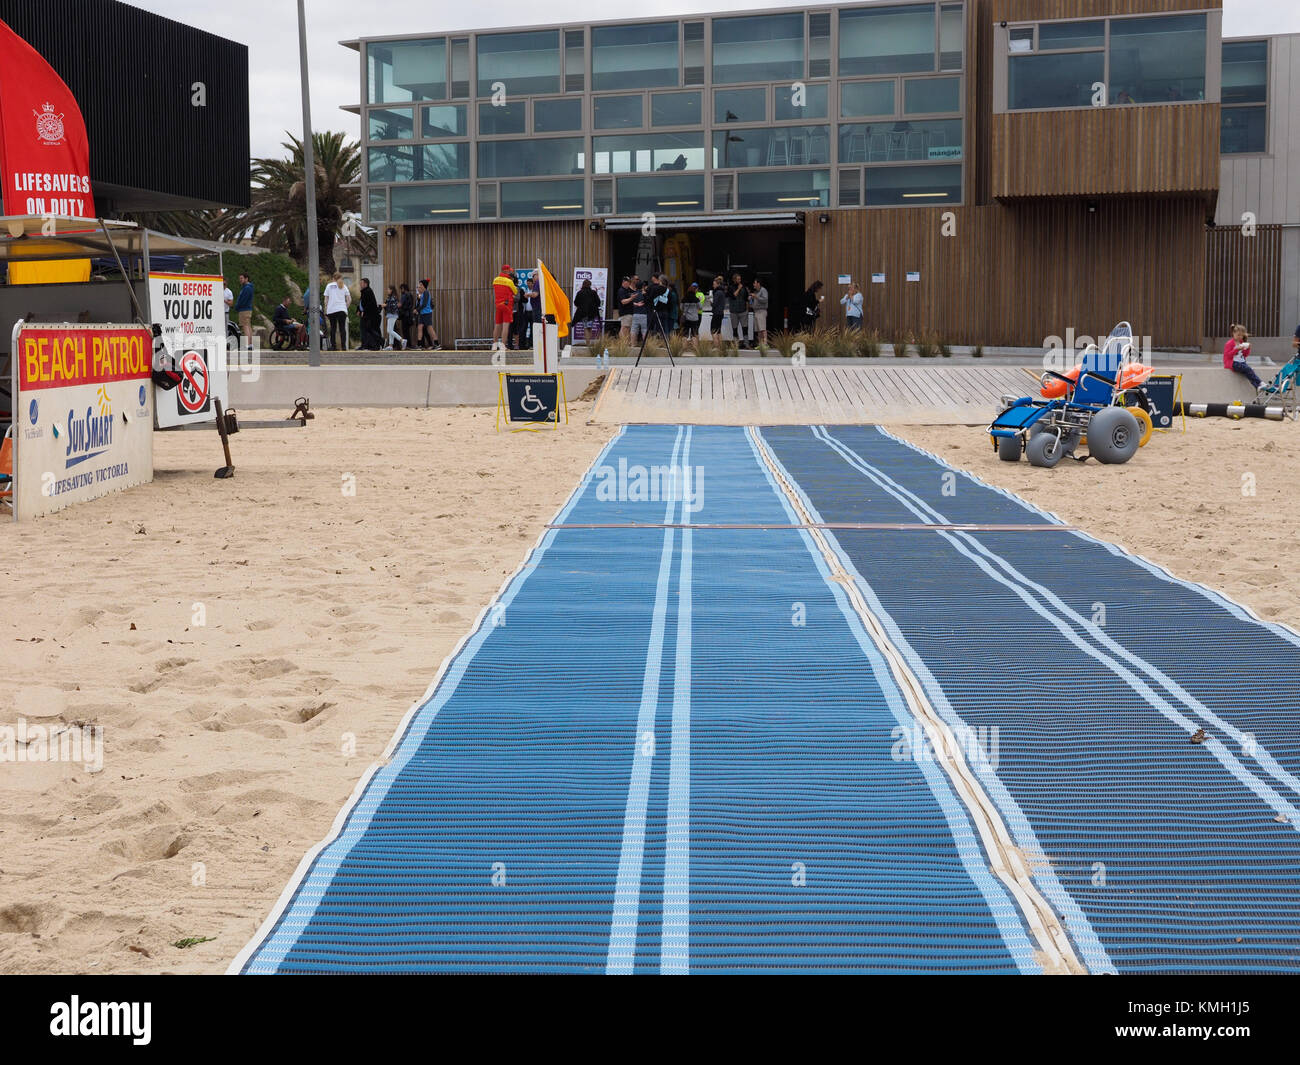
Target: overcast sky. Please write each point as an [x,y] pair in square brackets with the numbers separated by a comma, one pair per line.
[270,29]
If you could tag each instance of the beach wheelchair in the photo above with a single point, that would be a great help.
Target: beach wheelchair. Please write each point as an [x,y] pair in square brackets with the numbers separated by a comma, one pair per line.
[1284,390]
[1099,403]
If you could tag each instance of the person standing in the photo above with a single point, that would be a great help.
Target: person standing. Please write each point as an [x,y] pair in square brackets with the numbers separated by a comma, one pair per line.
[503,305]
[371,340]
[405,314]
[337,299]
[392,338]
[534,306]
[812,305]
[852,304]
[737,308]
[244,309]
[758,303]
[640,312]
[626,293]
[717,306]
[424,334]
[586,309]
[691,311]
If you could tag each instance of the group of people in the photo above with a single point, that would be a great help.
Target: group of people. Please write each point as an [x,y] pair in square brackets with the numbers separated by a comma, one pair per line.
[404,320]
[516,308]
[653,307]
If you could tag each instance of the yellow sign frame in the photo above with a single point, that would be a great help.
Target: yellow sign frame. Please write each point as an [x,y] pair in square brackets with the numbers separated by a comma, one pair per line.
[503,408]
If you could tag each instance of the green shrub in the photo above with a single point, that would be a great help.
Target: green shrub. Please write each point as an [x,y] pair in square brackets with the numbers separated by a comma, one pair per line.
[926,347]
[274,276]
[899,344]
[977,352]
[867,344]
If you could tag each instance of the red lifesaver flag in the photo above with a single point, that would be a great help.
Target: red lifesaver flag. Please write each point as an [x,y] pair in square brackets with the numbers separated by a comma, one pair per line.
[44,151]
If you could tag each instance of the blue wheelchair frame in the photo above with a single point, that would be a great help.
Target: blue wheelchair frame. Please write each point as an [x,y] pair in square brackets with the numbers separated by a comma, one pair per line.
[1285,387]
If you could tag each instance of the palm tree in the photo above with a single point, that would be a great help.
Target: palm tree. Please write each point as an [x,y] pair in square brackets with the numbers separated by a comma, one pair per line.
[276,217]
[201,225]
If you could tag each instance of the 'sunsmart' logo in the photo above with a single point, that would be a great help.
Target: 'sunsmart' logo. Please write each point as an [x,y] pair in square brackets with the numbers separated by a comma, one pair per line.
[33,412]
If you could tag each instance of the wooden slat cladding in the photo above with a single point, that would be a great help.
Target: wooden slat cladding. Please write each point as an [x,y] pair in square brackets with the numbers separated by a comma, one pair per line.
[1042,10]
[462,260]
[1016,274]
[1243,280]
[1104,151]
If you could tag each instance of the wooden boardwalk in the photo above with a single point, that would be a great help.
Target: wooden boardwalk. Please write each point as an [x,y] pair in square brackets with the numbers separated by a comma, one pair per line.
[808,395]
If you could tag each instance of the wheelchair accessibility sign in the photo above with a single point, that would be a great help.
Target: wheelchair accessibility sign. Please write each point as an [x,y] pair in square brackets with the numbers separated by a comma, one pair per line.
[531,401]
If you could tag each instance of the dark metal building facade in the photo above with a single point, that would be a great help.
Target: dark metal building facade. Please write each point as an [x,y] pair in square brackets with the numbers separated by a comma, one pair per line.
[137,78]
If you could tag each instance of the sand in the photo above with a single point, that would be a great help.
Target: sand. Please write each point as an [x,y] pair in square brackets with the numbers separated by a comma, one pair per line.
[229,747]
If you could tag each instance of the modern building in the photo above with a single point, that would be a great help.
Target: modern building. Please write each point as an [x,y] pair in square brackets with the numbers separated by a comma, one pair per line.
[992,171]
[1254,270]
[166,105]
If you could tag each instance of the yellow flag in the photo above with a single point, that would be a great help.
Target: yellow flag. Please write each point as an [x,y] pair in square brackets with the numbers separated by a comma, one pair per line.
[554,301]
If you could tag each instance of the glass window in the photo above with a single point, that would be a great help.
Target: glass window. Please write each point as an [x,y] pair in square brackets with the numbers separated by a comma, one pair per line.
[675,109]
[420,162]
[422,202]
[401,71]
[446,121]
[819,44]
[1055,36]
[645,152]
[557,116]
[617,112]
[634,57]
[850,188]
[1021,39]
[678,193]
[549,155]
[1245,72]
[792,104]
[693,53]
[891,40]
[1155,60]
[546,198]
[775,146]
[525,63]
[866,99]
[1243,131]
[602,196]
[912,186]
[887,142]
[506,118]
[724,192]
[393,124]
[1035,82]
[758,48]
[931,96]
[377,205]
[460,68]
[784,189]
[575,61]
[487,200]
[951,43]
[739,105]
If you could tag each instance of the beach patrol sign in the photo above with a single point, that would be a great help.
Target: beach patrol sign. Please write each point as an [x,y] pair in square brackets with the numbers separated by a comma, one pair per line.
[531,400]
[83,414]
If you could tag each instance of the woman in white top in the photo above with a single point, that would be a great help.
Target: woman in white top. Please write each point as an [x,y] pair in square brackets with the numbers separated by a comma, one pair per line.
[337,298]
[852,301]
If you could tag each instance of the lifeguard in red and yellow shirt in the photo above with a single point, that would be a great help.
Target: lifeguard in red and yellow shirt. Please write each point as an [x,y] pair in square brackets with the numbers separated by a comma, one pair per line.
[504,291]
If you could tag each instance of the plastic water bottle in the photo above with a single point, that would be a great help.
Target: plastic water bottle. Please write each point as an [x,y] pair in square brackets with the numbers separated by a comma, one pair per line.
[604,359]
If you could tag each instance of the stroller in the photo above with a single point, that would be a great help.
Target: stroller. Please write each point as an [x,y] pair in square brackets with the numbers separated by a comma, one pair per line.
[1283,390]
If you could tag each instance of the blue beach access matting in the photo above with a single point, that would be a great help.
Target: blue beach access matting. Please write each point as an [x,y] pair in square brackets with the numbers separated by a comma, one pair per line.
[671,748]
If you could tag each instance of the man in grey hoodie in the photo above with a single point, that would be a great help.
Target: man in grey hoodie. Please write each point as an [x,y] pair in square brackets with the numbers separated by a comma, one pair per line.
[758,303]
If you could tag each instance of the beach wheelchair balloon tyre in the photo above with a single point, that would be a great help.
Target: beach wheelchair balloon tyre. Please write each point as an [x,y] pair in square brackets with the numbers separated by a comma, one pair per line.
[1009,448]
[1145,426]
[1114,435]
[1046,449]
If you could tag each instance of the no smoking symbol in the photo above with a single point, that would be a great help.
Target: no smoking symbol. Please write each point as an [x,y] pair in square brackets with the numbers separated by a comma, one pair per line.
[192,392]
